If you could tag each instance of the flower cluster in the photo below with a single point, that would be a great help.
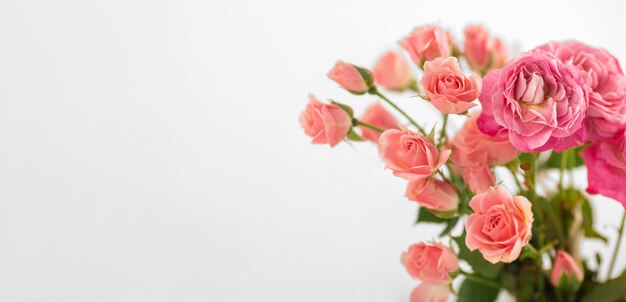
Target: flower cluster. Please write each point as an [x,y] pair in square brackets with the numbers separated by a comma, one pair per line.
[542,113]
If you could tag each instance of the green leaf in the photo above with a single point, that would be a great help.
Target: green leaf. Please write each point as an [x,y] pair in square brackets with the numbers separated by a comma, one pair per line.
[613,290]
[587,212]
[573,159]
[476,261]
[473,291]
[424,215]
[450,224]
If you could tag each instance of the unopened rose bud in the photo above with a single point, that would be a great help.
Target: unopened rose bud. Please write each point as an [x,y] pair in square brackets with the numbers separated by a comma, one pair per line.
[436,195]
[392,71]
[355,79]
[567,274]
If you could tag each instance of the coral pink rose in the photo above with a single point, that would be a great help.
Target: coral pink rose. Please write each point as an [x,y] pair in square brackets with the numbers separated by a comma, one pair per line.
[606,82]
[410,155]
[500,225]
[606,168]
[436,195]
[540,101]
[378,116]
[565,265]
[392,71]
[355,79]
[447,87]
[478,178]
[481,51]
[325,123]
[427,43]
[430,262]
[430,293]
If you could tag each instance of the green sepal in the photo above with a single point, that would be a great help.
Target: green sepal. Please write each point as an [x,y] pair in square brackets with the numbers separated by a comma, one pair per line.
[353,136]
[344,107]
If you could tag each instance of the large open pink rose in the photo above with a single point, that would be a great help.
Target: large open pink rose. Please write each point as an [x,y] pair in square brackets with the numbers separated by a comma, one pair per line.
[540,101]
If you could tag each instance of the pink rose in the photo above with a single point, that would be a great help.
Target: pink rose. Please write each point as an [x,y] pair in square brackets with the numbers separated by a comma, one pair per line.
[427,43]
[392,71]
[479,178]
[606,82]
[500,225]
[447,87]
[481,51]
[355,79]
[606,168]
[430,262]
[426,292]
[410,155]
[378,116]
[565,265]
[540,101]
[325,123]
[435,195]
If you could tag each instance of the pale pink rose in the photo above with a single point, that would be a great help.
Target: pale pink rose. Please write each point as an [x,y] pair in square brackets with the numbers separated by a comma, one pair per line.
[606,168]
[350,77]
[435,195]
[427,43]
[481,51]
[471,147]
[566,265]
[325,123]
[430,262]
[607,86]
[392,71]
[430,293]
[540,101]
[378,116]
[500,225]
[479,178]
[447,87]
[411,156]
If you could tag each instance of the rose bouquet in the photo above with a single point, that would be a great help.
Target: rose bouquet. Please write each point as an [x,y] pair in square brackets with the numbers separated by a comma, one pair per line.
[533,118]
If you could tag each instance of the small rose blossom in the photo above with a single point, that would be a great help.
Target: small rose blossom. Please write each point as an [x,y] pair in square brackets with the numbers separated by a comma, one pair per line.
[435,195]
[478,178]
[481,51]
[500,225]
[411,156]
[392,71]
[430,262]
[355,79]
[426,292]
[565,265]
[607,85]
[606,168]
[538,100]
[325,123]
[427,43]
[447,87]
[376,115]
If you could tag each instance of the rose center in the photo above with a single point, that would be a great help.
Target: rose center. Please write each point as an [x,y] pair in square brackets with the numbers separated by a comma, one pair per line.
[529,89]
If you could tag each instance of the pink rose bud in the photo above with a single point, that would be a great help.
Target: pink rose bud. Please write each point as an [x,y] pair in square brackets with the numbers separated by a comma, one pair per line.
[410,155]
[606,168]
[500,225]
[325,123]
[606,82]
[538,100]
[436,195]
[426,292]
[355,79]
[478,178]
[447,87]
[481,51]
[566,272]
[430,262]
[427,43]
[378,116]
[392,71]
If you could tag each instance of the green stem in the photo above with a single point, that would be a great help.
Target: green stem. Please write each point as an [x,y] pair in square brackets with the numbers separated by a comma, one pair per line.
[564,162]
[617,245]
[366,125]
[442,134]
[514,175]
[480,279]
[376,92]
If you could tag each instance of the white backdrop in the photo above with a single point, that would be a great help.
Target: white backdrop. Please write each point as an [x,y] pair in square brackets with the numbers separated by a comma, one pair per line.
[150,150]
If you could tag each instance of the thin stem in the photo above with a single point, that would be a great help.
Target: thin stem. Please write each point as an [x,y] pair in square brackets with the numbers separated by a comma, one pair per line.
[480,279]
[514,175]
[421,130]
[617,245]
[366,125]
[442,134]
[564,162]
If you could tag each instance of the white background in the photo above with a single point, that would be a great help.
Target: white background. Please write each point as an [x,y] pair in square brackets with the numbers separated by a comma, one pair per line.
[151,151]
